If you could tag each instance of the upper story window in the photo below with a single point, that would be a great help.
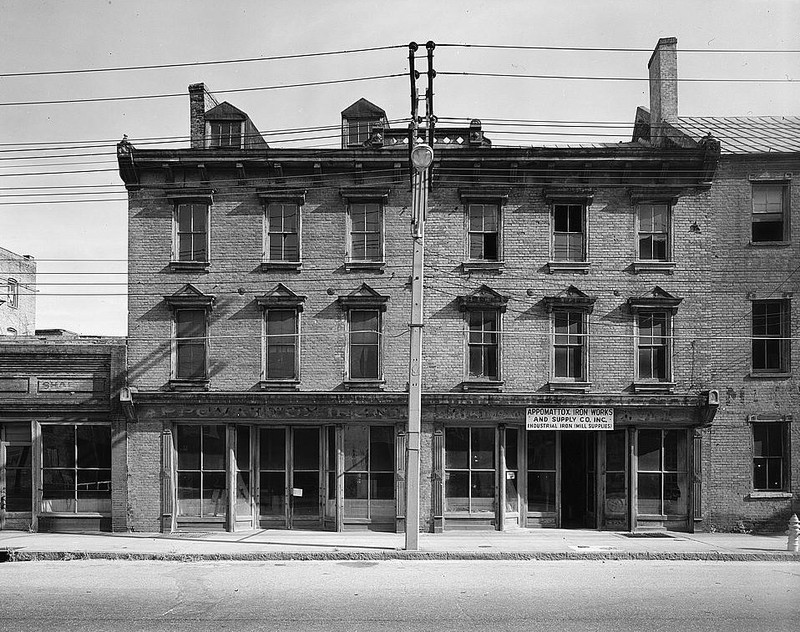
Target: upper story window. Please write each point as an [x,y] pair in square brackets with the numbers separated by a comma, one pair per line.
[570,344]
[13,293]
[282,309]
[568,232]
[653,232]
[358,131]
[653,314]
[484,232]
[191,234]
[771,337]
[771,453]
[364,352]
[483,310]
[191,309]
[770,212]
[366,231]
[283,232]
[225,134]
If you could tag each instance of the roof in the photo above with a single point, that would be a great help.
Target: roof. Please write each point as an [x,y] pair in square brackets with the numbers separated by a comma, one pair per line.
[363,109]
[225,111]
[740,135]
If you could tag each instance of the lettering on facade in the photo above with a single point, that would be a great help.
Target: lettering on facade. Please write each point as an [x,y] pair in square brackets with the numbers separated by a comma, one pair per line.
[70,385]
[343,412]
[569,419]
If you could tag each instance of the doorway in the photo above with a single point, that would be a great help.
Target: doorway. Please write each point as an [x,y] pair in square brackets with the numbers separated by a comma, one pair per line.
[290,478]
[578,480]
[16,497]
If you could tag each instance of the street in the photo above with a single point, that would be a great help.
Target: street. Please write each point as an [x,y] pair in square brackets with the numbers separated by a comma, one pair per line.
[399,595]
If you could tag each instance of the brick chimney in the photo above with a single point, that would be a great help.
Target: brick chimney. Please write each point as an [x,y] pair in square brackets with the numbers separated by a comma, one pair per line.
[663,67]
[200,101]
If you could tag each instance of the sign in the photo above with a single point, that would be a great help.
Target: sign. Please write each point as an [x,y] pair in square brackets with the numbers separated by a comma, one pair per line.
[569,419]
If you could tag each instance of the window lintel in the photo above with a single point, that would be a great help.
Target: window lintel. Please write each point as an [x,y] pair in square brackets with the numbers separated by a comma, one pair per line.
[568,195]
[769,418]
[352,194]
[497,195]
[190,296]
[363,298]
[654,196]
[203,195]
[483,298]
[294,196]
[657,300]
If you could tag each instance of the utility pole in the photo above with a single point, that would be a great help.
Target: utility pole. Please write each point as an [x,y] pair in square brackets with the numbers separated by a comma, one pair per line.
[421,156]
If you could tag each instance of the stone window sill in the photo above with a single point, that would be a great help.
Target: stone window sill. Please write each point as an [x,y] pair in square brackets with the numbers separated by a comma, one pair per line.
[365,385]
[767,495]
[569,266]
[279,385]
[569,387]
[482,385]
[482,266]
[189,385]
[189,266]
[653,387]
[364,265]
[769,244]
[281,265]
[667,267]
[760,375]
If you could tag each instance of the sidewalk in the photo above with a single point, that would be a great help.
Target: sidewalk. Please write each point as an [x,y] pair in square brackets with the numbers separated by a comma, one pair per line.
[519,544]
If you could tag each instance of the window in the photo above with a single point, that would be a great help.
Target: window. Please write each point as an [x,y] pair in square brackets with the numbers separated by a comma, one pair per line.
[226,134]
[653,346]
[662,472]
[770,336]
[569,346]
[191,232]
[358,131]
[366,231]
[13,293]
[541,470]
[201,471]
[190,344]
[770,212]
[282,344]
[469,456]
[364,344]
[484,232]
[769,457]
[369,472]
[653,238]
[76,468]
[568,232]
[283,238]
[483,344]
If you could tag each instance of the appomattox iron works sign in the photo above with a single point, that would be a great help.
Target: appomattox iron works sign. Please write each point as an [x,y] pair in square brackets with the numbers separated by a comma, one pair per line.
[569,419]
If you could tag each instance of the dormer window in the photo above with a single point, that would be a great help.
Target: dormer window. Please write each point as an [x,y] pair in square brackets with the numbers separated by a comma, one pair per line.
[225,134]
[358,122]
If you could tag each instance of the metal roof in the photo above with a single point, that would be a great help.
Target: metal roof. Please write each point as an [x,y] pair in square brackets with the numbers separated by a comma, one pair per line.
[745,134]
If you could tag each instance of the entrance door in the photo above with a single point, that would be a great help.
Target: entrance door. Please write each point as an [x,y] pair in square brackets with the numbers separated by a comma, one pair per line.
[614,480]
[578,480]
[16,499]
[290,478]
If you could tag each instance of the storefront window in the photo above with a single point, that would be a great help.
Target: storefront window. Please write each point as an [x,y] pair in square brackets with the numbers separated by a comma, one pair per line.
[369,472]
[662,477]
[243,508]
[17,466]
[541,471]
[616,498]
[272,501]
[201,471]
[512,470]
[469,470]
[76,468]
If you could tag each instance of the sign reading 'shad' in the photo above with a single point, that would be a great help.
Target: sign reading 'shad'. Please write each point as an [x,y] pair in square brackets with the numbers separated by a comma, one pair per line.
[569,419]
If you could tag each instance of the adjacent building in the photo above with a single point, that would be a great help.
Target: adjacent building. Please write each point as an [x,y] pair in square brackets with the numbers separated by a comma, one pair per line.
[17,294]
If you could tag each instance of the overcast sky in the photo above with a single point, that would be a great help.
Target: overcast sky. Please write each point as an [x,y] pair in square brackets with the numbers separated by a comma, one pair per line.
[66,222]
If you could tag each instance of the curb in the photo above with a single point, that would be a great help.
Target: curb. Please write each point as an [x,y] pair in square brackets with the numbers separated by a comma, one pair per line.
[382,556]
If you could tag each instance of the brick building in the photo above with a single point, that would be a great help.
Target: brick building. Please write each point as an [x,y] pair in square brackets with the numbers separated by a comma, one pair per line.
[17,294]
[570,377]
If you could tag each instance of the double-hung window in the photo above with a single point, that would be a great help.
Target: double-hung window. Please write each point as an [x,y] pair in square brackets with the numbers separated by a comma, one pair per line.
[283,232]
[364,310]
[366,231]
[190,311]
[282,309]
[770,471]
[13,293]
[568,232]
[484,232]
[225,134]
[653,232]
[483,310]
[770,212]
[570,345]
[653,316]
[770,336]
[191,237]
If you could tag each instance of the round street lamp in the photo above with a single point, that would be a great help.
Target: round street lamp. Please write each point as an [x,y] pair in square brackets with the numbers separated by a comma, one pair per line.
[421,157]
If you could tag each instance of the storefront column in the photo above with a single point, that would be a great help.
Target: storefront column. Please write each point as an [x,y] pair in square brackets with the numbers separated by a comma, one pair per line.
[167,486]
[437,482]
[501,478]
[633,480]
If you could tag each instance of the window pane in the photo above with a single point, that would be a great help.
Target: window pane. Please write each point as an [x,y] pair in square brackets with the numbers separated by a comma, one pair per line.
[476,246]
[214,499]
[243,447]
[191,360]
[356,448]
[356,486]
[189,493]
[476,217]
[483,448]
[768,231]
[615,450]
[188,444]
[649,443]
[243,494]
[273,490]
[541,450]
[456,441]
[675,451]
[363,362]
[94,446]
[94,490]
[291,247]
[272,448]
[675,494]
[18,484]
[58,446]
[482,492]
[382,488]
[213,448]
[372,218]
[511,448]
[541,491]
[381,449]
[649,496]
[59,485]
[490,249]
[306,449]
[456,491]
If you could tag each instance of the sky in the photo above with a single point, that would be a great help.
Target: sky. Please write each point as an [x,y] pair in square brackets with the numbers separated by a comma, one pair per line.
[61,198]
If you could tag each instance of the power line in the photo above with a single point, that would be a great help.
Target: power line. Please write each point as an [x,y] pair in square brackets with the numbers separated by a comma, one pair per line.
[618,49]
[590,78]
[199,63]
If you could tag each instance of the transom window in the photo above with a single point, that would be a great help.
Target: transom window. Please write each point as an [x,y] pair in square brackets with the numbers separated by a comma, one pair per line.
[569,346]
[483,344]
[769,456]
[568,232]
[365,344]
[662,472]
[283,239]
[484,232]
[769,212]
[366,231]
[653,240]
[282,344]
[76,468]
[191,219]
[469,455]
[770,336]
[190,344]
[653,345]
[226,134]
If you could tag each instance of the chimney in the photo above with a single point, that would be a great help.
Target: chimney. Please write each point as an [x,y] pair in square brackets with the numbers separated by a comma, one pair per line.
[663,67]
[200,101]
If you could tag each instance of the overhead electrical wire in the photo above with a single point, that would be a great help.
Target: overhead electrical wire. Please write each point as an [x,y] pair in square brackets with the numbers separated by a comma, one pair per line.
[599,49]
[594,78]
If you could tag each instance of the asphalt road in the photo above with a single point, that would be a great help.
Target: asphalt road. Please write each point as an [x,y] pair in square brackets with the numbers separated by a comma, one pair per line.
[399,595]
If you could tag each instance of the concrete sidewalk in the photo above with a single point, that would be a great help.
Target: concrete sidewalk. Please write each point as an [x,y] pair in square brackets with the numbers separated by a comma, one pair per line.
[519,544]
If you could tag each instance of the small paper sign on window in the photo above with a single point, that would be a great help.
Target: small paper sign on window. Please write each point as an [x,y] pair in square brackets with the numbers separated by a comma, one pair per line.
[297,491]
